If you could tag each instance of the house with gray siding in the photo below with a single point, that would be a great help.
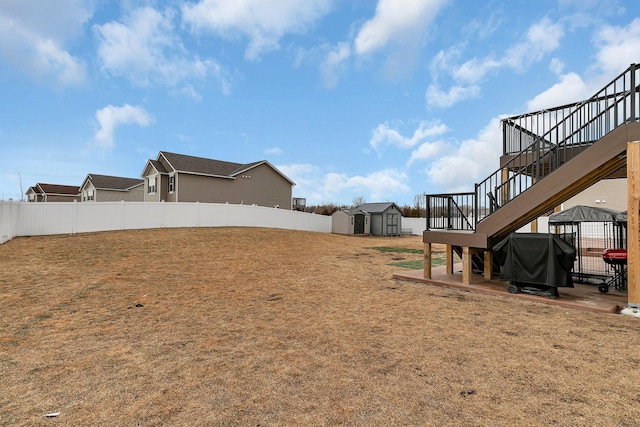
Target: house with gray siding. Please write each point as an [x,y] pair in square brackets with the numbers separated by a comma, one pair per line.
[175,177]
[386,218]
[106,188]
[53,193]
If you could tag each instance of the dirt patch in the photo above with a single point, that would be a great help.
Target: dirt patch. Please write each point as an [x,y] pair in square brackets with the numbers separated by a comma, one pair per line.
[249,326]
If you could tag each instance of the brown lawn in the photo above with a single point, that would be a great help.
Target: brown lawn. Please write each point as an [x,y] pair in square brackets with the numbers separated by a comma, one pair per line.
[248,326]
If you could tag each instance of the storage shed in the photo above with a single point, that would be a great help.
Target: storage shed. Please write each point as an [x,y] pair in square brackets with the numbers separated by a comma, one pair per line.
[350,221]
[386,218]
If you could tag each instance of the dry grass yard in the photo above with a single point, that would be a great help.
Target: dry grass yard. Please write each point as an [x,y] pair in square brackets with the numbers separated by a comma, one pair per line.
[248,327]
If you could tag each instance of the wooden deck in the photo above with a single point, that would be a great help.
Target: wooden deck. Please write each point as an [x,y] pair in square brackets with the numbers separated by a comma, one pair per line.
[580,297]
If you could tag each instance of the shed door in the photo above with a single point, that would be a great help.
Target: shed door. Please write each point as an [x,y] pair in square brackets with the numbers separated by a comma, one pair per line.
[392,224]
[358,227]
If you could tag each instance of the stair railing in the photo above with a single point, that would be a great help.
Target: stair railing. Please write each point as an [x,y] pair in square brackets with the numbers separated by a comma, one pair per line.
[450,211]
[572,128]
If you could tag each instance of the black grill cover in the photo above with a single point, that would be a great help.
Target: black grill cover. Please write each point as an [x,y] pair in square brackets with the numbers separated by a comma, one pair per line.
[535,258]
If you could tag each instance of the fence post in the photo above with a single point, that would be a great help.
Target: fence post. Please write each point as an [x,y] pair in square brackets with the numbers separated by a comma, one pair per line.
[122,215]
[74,229]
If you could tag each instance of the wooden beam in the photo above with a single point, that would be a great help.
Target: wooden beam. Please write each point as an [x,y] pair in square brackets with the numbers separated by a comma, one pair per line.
[506,186]
[426,261]
[633,223]
[488,265]
[449,259]
[466,265]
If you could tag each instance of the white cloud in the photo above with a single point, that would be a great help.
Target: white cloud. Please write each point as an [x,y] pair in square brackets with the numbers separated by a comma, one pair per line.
[263,22]
[570,88]
[396,21]
[427,151]
[618,48]
[542,37]
[383,134]
[145,49]
[33,35]
[438,98]
[616,45]
[379,186]
[333,64]
[556,66]
[110,117]
[274,151]
[476,157]
[331,187]
[474,70]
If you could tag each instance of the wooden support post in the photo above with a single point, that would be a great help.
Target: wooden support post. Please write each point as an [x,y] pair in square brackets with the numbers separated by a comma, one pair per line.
[449,259]
[505,187]
[534,223]
[633,225]
[426,262]
[488,264]
[466,265]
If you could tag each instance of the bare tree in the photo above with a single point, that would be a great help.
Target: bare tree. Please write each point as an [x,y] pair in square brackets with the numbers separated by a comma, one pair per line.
[21,189]
[420,204]
[357,201]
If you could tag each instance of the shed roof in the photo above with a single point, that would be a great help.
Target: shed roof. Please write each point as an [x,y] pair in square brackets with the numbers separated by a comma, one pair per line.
[378,208]
[352,211]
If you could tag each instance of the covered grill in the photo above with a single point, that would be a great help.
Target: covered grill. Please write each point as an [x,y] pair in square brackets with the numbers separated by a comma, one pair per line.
[535,262]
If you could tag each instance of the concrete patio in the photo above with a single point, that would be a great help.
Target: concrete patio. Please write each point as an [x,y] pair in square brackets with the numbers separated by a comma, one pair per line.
[580,297]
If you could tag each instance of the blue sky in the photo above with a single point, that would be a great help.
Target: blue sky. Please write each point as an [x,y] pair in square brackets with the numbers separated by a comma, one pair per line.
[382,100]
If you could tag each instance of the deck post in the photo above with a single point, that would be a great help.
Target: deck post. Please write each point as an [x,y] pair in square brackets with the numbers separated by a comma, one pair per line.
[449,259]
[633,224]
[466,265]
[426,261]
[488,264]
[505,187]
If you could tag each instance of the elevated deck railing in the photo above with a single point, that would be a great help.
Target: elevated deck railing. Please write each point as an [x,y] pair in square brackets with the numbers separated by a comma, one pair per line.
[451,211]
[539,143]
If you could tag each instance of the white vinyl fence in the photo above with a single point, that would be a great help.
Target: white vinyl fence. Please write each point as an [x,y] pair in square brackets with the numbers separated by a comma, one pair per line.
[414,225]
[35,219]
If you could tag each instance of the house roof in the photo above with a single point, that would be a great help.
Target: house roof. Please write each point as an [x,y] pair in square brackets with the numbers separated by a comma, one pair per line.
[57,189]
[158,166]
[378,208]
[217,168]
[107,182]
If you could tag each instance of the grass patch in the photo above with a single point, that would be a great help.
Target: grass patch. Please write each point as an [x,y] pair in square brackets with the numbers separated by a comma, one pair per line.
[416,264]
[437,259]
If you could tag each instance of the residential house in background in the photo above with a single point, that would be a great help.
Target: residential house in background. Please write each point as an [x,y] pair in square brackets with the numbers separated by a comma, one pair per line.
[351,221]
[386,218]
[105,188]
[53,193]
[175,177]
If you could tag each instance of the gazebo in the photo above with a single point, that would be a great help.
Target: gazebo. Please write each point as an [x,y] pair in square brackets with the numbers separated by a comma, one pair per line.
[590,230]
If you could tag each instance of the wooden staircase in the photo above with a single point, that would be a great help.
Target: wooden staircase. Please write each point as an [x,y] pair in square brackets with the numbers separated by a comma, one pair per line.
[580,145]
